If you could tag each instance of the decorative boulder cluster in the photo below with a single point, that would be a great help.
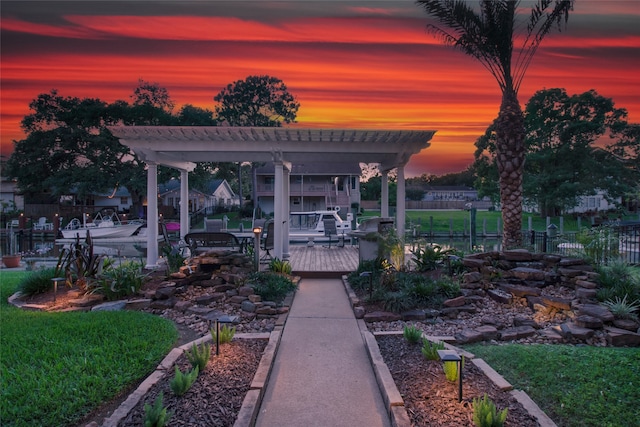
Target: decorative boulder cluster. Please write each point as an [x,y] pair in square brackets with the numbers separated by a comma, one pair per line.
[518,276]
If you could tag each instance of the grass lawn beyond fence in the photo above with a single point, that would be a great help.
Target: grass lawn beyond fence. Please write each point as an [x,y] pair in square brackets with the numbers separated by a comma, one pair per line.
[576,386]
[58,367]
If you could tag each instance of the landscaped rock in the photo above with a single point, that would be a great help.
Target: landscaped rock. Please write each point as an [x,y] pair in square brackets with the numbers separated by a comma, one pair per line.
[596,310]
[555,302]
[586,284]
[163,304]
[266,311]
[469,336]
[358,312]
[138,304]
[586,321]
[110,306]
[182,306]
[237,299]
[223,288]
[499,296]
[254,298]
[525,273]
[488,332]
[516,333]
[525,321]
[165,293]
[87,300]
[455,302]
[414,315]
[473,263]
[381,316]
[471,277]
[571,330]
[248,306]
[584,294]
[212,283]
[628,324]
[517,255]
[569,272]
[245,291]
[519,290]
[621,337]
[205,299]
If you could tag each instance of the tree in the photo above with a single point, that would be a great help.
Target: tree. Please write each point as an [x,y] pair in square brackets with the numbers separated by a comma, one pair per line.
[563,160]
[256,101]
[489,36]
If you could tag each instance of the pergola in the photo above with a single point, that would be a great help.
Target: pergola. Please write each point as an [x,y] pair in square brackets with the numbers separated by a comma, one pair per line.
[181,147]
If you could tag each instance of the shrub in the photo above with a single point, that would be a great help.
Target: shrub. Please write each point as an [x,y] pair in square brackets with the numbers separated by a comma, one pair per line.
[226,334]
[618,279]
[271,287]
[397,302]
[79,262]
[430,257]
[485,413]
[430,350]
[412,334]
[279,266]
[36,282]
[199,356]
[181,382]
[156,415]
[450,371]
[119,281]
[623,309]
[174,258]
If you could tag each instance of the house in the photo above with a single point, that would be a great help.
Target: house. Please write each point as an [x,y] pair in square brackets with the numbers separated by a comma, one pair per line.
[313,186]
[445,193]
[10,199]
[218,195]
[594,203]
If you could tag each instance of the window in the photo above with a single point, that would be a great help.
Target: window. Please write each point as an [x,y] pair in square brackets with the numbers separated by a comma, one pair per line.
[124,200]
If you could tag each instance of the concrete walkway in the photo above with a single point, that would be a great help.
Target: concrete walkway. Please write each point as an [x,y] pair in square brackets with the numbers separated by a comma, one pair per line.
[322,375]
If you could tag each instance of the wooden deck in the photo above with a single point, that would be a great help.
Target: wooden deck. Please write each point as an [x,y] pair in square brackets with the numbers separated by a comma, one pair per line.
[321,261]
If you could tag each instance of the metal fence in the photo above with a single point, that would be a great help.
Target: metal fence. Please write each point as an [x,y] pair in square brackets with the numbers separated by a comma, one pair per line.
[603,243]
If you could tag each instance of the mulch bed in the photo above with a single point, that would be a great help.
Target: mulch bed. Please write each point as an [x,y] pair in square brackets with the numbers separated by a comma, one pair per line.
[431,400]
[216,396]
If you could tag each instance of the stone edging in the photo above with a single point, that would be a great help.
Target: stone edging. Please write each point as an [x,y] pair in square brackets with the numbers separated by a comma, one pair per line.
[392,397]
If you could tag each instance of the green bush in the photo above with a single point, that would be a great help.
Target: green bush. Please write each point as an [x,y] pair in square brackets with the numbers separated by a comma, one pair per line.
[412,334]
[430,350]
[199,356]
[279,266]
[37,282]
[619,280]
[226,334]
[271,287]
[119,281]
[485,413]
[450,371]
[156,415]
[174,258]
[182,381]
[623,309]
[430,257]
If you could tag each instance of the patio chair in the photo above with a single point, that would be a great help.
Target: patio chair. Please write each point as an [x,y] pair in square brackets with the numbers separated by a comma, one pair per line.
[267,242]
[331,230]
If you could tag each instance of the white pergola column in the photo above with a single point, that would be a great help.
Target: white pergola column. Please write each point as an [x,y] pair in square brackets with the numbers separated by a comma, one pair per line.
[152,215]
[286,184]
[384,188]
[277,208]
[184,203]
[400,202]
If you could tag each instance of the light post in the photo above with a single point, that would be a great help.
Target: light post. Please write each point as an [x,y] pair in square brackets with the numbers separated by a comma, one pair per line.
[257,231]
[450,356]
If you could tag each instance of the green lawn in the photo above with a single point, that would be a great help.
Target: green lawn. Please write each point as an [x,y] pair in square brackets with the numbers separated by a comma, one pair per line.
[57,367]
[575,386]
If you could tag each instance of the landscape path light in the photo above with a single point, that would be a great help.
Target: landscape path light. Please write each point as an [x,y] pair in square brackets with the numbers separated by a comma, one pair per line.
[450,356]
[55,281]
[370,276]
[223,319]
[257,231]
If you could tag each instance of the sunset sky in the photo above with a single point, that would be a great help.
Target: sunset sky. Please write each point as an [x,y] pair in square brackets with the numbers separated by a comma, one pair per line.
[351,64]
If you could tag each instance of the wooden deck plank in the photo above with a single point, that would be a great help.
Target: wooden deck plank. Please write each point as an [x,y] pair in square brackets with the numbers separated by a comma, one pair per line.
[322,259]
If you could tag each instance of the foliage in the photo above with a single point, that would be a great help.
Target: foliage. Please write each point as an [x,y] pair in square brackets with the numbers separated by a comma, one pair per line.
[577,386]
[199,356]
[174,258]
[156,415]
[412,334]
[430,257]
[36,282]
[600,244]
[277,265]
[271,287]
[430,349]
[256,101]
[182,382]
[450,370]
[391,248]
[46,363]
[618,280]
[119,281]
[485,413]
[80,264]
[226,334]
[623,309]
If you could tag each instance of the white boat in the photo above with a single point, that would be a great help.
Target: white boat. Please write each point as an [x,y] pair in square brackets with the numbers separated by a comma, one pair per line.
[312,224]
[106,224]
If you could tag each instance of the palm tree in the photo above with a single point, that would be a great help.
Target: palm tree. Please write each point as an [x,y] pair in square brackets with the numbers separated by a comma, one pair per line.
[489,36]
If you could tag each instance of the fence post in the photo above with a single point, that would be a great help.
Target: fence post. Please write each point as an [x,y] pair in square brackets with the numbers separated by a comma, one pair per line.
[544,242]
[472,228]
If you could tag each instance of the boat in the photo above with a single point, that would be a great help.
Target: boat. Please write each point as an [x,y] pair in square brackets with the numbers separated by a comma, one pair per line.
[305,225]
[105,224]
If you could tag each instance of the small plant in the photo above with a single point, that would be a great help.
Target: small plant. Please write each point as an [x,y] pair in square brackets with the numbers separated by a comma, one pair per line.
[156,415]
[412,334]
[451,371]
[430,257]
[119,281]
[80,263]
[37,282]
[430,350]
[271,287]
[277,265]
[174,258]
[182,382]
[226,334]
[199,356]
[485,413]
[623,309]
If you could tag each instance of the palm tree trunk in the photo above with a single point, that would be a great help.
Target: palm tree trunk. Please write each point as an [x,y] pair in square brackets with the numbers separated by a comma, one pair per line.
[510,160]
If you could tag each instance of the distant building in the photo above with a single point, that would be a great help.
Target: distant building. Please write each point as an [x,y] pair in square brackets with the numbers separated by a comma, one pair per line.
[218,194]
[314,186]
[447,193]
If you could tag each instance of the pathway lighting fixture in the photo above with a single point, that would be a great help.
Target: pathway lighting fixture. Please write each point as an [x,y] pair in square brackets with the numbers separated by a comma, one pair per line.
[370,276]
[55,281]
[552,231]
[450,356]
[257,231]
[222,319]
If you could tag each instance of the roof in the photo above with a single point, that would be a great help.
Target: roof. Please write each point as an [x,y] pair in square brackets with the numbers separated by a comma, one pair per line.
[316,168]
[182,146]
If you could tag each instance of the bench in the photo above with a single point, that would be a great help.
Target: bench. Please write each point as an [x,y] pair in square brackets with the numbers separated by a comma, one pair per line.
[201,242]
